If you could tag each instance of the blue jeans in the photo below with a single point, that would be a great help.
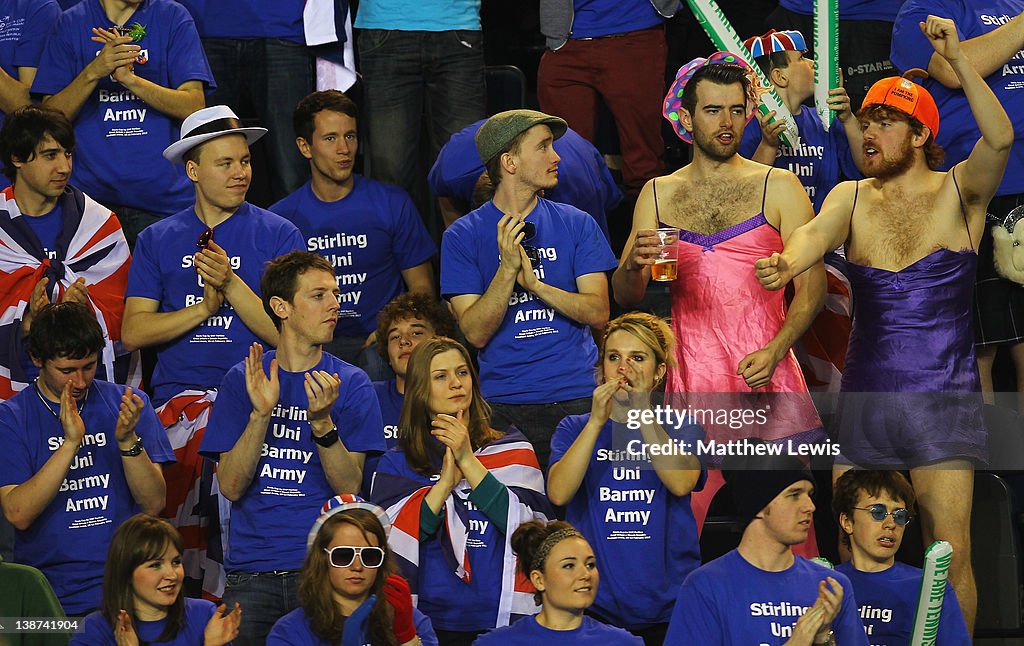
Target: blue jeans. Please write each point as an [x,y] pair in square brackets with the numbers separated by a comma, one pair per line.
[414,78]
[265,597]
[537,422]
[266,78]
[133,221]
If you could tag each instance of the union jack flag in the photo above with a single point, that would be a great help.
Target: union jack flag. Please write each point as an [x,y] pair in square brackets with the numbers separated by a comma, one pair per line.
[90,245]
[512,461]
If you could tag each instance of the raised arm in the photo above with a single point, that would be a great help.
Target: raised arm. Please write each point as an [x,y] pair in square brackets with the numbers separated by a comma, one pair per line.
[987,53]
[480,315]
[177,102]
[980,174]
[343,468]
[23,503]
[115,54]
[238,466]
[144,478]
[629,282]
[566,475]
[214,266]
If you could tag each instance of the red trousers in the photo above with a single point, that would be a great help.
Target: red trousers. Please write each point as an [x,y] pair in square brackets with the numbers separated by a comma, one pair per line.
[628,72]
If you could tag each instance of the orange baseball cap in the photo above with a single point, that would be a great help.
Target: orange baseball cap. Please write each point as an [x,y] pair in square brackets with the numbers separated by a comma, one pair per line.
[906,96]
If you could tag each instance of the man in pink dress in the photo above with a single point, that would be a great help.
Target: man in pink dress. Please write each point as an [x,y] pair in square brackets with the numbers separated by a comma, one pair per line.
[733,341]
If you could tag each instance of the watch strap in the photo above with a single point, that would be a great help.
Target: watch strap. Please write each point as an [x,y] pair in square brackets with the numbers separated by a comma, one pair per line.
[328,439]
[134,450]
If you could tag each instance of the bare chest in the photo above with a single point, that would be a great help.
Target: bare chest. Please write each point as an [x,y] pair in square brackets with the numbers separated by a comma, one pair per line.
[893,232]
[709,208]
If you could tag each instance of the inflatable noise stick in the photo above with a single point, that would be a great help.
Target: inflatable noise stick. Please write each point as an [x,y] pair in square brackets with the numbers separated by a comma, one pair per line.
[937,558]
[826,56]
[823,562]
[721,33]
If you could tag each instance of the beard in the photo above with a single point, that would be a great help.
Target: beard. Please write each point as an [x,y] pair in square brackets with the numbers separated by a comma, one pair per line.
[888,168]
[712,149]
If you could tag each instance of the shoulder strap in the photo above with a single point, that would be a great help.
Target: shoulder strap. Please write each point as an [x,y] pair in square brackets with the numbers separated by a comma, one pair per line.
[764,192]
[963,210]
[654,187]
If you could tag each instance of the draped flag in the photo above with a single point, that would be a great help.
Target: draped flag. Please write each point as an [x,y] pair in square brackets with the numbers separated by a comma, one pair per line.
[512,461]
[90,245]
[193,498]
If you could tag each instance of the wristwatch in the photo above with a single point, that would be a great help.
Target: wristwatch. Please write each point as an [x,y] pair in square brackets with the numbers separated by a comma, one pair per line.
[328,439]
[135,449]
[829,641]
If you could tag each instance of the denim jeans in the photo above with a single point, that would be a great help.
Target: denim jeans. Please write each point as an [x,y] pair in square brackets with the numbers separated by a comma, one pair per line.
[133,221]
[414,78]
[265,597]
[537,422]
[265,79]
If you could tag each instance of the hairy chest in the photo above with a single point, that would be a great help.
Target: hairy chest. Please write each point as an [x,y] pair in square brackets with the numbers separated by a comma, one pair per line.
[708,208]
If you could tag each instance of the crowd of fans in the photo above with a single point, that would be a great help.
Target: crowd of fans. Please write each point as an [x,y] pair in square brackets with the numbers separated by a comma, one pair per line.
[313,424]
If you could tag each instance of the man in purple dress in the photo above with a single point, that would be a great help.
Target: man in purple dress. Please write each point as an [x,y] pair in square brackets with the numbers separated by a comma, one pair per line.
[910,384]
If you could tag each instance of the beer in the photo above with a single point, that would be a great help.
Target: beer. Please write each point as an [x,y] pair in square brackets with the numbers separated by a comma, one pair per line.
[664,269]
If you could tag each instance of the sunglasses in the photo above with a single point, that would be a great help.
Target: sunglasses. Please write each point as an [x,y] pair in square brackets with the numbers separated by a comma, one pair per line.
[203,241]
[345,555]
[900,516]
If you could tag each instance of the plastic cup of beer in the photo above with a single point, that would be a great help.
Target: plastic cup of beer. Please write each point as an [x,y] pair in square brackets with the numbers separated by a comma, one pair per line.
[665,267]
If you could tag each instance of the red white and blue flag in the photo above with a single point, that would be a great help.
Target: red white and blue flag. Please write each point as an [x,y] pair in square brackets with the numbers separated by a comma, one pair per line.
[91,245]
[194,503]
[512,462]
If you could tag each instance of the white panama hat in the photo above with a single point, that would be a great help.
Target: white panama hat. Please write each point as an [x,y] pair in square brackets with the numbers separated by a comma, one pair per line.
[206,124]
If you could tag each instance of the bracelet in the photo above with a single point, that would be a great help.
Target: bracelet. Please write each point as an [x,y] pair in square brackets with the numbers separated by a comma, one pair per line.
[829,641]
[134,449]
[328,439]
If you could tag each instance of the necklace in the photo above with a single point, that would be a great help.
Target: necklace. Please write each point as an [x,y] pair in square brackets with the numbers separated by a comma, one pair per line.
[39,393]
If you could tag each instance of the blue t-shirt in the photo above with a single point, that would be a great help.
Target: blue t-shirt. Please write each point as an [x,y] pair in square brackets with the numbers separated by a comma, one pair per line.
[819,159]
[270,522]
[851,9]
[68,541]
[98,631]
[294,629]
[23,32]
[644,538]
[162,270]
[370,236]
[888,602]
[527,632]
[120,137]
[537,355]
[584,180]
[249,19]
[595,18]
[390,411]
[450,603]
[729,601]
[47,228]
[419,15]
[958,131]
